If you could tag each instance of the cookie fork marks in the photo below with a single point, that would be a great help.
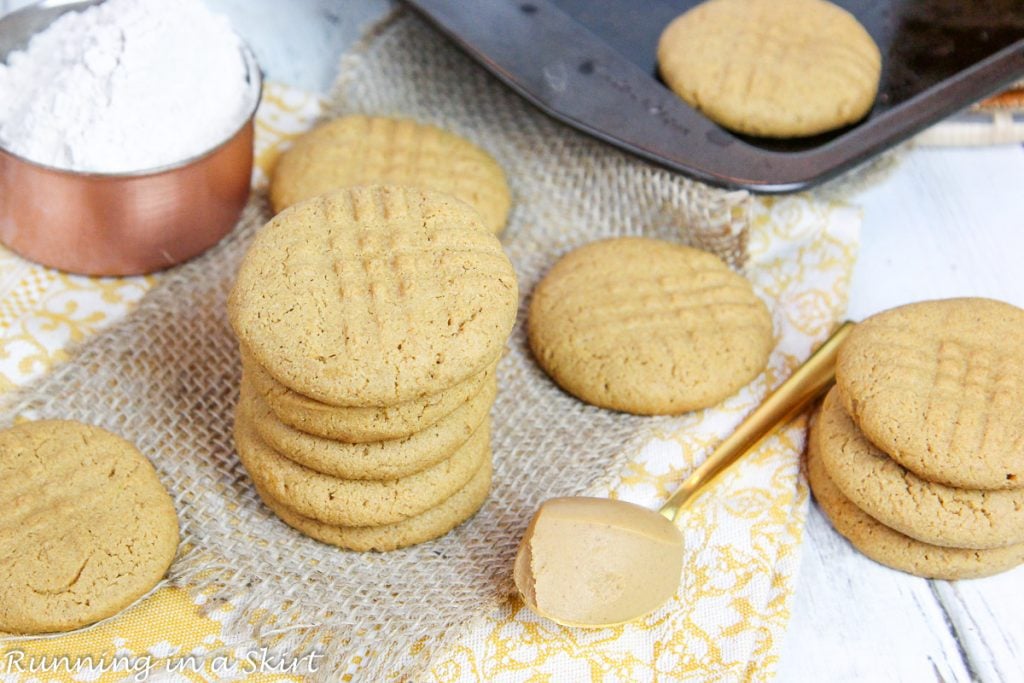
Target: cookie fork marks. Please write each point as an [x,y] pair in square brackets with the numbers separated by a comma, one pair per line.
[937,385]
[342,288]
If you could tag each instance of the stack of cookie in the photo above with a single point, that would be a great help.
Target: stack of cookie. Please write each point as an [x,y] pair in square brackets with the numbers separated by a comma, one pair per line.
[370,321]
[917,455]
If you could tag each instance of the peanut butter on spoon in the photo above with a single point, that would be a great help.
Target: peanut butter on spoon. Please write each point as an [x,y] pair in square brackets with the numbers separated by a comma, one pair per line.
[596,562]
[641,556]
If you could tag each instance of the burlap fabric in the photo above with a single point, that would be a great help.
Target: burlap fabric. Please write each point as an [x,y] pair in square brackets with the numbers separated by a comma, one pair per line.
[167,377]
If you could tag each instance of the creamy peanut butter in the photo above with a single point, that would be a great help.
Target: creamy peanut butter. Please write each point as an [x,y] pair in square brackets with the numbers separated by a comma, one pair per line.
[597,562]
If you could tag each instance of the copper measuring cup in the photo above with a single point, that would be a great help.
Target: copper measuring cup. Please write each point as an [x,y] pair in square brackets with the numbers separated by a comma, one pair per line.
[121,223]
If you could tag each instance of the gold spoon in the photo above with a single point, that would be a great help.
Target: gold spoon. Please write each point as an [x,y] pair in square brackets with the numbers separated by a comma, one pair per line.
[596,562]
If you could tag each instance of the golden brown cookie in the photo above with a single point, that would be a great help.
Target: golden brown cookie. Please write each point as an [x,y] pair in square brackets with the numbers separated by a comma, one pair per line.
[86,527]
[939,385]
[1011,99]
[772,68]
[893,549]
[375,150]
[374,296]
[380,460]
[353,502]
[931,513]
[426,526]
[648,327]
[356,424]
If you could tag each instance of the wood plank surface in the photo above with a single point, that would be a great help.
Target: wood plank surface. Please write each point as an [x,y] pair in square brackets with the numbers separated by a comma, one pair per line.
[946,222]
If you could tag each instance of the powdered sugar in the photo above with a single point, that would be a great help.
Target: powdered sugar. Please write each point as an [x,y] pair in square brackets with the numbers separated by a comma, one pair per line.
[126,85]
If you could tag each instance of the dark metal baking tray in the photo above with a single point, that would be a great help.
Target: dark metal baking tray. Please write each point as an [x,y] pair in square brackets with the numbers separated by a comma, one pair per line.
[591,64]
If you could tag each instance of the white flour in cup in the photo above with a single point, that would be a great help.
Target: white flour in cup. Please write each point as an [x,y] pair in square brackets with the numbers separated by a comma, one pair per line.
[126,85]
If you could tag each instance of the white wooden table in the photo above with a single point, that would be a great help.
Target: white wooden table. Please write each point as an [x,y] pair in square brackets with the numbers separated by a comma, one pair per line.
[946,223]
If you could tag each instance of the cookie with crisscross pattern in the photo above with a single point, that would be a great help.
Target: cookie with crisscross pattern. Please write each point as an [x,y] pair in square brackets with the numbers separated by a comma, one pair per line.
[773,68]
[86,527]
[376,150]
[647,326]
[939,385]
[374,296]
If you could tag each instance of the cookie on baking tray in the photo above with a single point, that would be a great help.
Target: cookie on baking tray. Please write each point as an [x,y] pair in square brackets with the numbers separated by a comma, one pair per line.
[893,549]
[374,296]
[375,150]
[938,386]
[648,327]
[1009,100]
[772,68]
[87,527]
[929,512]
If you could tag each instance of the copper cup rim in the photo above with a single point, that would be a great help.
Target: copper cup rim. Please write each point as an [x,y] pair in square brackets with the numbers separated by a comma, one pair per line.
[253,74]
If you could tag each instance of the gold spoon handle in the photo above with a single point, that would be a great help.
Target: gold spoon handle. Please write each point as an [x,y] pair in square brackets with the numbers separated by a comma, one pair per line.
[807,383]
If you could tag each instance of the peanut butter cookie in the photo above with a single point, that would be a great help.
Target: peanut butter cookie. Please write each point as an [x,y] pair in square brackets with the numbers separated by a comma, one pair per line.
[773,68]
[359,424]
[938,386]
[425,526]
[648,327]
[353,502]
[929,512]
[379,460]
[374,150]
[893,549]
[86,527]
[374,296]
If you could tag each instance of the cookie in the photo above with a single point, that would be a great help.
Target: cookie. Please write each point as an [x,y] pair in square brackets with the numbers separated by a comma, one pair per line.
[772,68]
[380,460]
[648,327]
[426,526]
[893,549]
[353,502]
[86,527]
[929,512]
[355,424]
[374,150]
[1011,100]
[939,385]
[374,296]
